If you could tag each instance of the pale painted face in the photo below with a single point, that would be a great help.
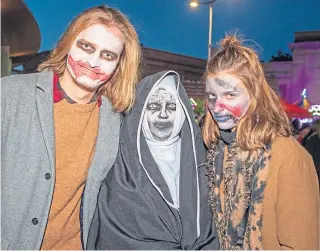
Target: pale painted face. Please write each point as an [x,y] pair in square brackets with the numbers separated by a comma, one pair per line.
[228,100]
[161,113]
[94,55]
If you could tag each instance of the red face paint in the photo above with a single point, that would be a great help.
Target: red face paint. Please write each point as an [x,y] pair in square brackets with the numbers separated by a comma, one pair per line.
[80,68]
[236,111]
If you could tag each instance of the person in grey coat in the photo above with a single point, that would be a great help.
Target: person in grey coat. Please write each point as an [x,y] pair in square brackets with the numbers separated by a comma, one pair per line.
[155,195]
[60,132]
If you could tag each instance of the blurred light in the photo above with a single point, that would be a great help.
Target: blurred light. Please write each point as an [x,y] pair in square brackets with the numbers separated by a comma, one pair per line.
[315,110]
[194,4]
[306,120]
[193,102]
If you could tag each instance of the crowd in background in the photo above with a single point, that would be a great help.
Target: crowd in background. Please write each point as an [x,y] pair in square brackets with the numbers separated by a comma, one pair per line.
[308,134]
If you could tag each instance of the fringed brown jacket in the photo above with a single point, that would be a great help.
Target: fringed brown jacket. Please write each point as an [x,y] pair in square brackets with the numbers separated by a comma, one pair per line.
[291,199]
[290,202]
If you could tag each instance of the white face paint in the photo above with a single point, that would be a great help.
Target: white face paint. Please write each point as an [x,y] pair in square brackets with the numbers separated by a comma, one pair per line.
[94,55]
[161,114]
[228,100]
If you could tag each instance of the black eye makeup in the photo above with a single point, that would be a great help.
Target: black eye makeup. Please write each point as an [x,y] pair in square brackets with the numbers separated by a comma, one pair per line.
[230,95]
[108,55]
[171,106]
[153,106]
[86,46]
[90,48]
[211,97]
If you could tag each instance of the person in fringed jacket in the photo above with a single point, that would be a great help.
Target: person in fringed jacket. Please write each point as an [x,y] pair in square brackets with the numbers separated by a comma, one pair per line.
[263,184]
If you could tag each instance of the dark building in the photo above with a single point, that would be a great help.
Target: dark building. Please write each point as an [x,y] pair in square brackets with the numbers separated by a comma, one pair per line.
[20,34]
[190,69]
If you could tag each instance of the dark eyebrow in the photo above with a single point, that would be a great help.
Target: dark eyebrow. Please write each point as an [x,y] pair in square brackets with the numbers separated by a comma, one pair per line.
[83,41]
[113,54]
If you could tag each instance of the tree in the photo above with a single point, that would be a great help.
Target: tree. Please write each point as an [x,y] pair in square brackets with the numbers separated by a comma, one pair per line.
[280,57]
[199,108]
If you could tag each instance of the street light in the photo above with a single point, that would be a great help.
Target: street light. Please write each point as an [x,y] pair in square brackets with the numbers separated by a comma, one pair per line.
[195,4]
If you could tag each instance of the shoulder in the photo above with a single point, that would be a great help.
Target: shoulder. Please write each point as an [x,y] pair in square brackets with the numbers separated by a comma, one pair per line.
[20,83]
[288,155]
[20,86]
[106,104]
[18,92]
[289,147]
[18,80]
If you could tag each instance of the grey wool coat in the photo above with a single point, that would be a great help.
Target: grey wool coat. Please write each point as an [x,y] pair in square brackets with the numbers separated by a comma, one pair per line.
[28,159]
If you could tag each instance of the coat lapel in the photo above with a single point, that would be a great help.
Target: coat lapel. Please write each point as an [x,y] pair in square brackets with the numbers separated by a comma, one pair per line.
[44,101]
[104,157]
[107,141]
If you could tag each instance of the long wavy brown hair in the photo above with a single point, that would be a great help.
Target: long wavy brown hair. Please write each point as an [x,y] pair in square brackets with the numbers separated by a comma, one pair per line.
[120,88]
[265,118]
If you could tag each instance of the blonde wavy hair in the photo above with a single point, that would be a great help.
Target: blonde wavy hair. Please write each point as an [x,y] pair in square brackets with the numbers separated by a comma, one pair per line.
[265,118]
[120,88]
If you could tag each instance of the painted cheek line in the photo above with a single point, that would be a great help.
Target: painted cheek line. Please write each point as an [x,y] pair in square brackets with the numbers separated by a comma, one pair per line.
[105,77]
[79,71]
[236,111]
[72,65]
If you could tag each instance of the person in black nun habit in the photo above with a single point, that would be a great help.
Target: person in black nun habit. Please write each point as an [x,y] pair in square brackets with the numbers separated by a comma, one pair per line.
[156,196]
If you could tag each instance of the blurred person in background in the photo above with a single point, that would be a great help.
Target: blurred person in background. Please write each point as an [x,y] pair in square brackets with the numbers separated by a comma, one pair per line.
[312,143]
[304,132]
[295,126]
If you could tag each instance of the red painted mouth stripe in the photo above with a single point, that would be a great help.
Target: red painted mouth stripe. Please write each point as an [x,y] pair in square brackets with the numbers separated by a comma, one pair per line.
[80,68]
[236,111]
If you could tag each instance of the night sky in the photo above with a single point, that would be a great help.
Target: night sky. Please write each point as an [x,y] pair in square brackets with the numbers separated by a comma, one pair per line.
[173,26]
